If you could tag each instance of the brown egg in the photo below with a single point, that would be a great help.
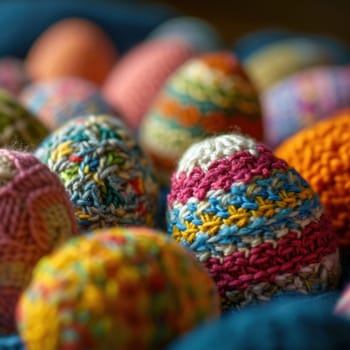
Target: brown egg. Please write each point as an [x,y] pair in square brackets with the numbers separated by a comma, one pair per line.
[72,47]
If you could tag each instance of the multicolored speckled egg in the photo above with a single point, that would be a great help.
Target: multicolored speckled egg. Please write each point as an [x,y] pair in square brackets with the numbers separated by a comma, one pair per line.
[302,100]
[207,95]
[19,128]
[130,288]
[321,154]
[36,216]
[252,220]
[58,100]
[106,174]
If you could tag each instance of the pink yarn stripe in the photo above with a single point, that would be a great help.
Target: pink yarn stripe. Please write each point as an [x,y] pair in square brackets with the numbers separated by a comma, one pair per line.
[241,166]
[265,262]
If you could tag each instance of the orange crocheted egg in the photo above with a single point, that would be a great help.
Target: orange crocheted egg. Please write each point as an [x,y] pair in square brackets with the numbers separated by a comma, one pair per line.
[72,47]
[322,155]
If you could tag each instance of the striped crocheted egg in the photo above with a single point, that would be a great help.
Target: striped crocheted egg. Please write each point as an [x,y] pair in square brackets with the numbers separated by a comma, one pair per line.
[252,220]
[59,100]
[13,76]
[134,82]
[115,289]
[19,128]
[282,58]
[36,216]
[321,155]
[106,175]
[343,304]
[207,95]
[302,100]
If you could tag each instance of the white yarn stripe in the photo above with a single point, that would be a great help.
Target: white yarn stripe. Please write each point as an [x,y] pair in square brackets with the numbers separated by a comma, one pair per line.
[203,153]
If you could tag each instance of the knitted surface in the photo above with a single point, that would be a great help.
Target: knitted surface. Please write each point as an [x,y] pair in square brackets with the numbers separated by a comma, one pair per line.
[71,47]
[12,75]
[302,100]
[207,95]
[343,304]
[321,155]
[115,289]
[36,216]
[58,100]
[252,220]
[198,33]
[18,128]
[278,60]
[304,323]
[136,79]
[104,171]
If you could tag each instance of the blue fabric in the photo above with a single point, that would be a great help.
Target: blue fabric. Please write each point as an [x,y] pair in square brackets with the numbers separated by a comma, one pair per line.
[127,23]
[303,323]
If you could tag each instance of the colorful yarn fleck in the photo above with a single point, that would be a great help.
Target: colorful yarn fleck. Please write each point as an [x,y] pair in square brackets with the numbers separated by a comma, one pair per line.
[12,75]
[18,128]
[343,304]
[36,216]
[104,171]
[280,59]
[140,74]
[207,95]
[321,155]
[59,100]
[302,100]
[120,288]
[252,220]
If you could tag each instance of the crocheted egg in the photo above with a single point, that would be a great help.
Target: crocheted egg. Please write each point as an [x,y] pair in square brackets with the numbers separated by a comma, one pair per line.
[18,127]
[197,32]
[107,176]
[280,59]
[115,289]
[302,100]
[12,75]
[321,155]
[343,304]
[132,85]
[207,95]
[72,47]
[36,216]
[58,100]
[252,220]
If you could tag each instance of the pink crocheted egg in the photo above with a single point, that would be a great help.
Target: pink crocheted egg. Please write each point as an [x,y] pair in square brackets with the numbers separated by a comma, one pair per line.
[12,75]
[135,80]
[36,216]
[252,220]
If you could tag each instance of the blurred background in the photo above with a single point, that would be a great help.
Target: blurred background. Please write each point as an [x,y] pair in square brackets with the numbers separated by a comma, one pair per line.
[236,18]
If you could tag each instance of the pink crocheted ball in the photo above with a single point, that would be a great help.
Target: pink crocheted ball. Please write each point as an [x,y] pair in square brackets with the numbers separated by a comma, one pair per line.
[36,216]
[136,79]
[13,76]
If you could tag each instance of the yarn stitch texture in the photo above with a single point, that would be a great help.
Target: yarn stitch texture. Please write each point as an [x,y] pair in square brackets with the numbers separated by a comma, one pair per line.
[252,220]
[209,94]
[18,128]
[321,155]
[58,100]
[36,216]
[116,289]
[107,176]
